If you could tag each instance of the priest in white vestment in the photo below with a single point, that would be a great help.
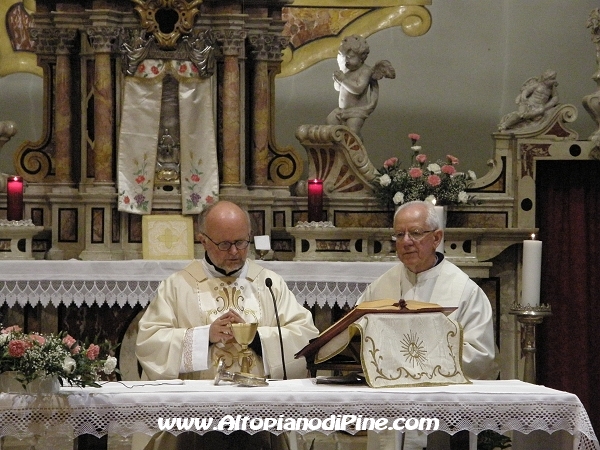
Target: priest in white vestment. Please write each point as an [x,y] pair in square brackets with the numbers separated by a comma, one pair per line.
[425,275]
[186,329]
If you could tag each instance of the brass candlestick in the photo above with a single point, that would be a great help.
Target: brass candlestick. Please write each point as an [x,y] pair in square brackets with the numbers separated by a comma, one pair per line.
[244,335]
[529,317]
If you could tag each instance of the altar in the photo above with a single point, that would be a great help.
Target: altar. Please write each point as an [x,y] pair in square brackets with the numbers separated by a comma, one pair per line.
[126,408]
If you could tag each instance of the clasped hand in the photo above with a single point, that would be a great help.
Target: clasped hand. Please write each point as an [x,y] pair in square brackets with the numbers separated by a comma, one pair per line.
[220,329]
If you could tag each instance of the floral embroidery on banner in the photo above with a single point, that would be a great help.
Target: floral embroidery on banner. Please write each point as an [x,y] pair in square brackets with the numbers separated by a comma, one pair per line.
[150,68]
[136,199]
[193,186]
[186,69]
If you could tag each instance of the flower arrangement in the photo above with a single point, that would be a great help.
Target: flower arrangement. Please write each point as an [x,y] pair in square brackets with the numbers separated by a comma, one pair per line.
[35,355]
[424,180]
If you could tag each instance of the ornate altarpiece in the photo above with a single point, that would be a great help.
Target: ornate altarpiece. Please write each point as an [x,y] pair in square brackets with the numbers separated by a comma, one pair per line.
[71,171]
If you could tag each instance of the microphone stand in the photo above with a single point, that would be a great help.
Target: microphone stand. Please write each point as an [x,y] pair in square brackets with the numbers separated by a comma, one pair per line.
[269,283]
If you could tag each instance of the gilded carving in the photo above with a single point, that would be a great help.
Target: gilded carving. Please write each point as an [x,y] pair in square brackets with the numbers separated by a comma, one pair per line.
[167,20]
[17,43]
[315,33]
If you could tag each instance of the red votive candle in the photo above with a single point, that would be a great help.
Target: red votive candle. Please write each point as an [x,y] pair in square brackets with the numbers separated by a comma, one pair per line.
[315,200]
[14,198]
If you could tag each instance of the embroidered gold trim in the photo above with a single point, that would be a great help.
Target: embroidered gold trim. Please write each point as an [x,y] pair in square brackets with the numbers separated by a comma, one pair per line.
[188,354]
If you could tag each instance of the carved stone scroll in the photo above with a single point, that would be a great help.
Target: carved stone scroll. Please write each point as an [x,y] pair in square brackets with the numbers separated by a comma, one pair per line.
[337,156]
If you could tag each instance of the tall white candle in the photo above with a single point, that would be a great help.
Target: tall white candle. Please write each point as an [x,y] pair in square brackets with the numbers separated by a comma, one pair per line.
[441,213]
[532,271]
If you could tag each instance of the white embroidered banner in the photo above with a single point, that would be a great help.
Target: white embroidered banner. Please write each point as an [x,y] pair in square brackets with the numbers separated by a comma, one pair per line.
[138,137]
[404,349]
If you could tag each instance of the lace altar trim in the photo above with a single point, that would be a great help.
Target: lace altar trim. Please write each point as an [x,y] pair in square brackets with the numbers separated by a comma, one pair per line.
[133,292]
[124,420]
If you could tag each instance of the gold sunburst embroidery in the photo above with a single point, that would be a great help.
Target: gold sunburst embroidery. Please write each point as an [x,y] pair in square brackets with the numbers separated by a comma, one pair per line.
[413,349]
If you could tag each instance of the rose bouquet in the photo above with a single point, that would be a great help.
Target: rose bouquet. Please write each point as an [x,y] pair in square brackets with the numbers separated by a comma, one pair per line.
[424,180]
[33,355]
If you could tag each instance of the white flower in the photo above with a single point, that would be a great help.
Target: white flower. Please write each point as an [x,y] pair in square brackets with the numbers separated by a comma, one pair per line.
[430,199]
[385,180]
[69,364]
[463,197]
[472,175]
[398,198]
[110,365]
[4,338]
[435,168]
[416,148]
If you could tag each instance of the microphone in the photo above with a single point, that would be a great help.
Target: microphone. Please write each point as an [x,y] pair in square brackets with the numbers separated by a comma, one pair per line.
[269,283]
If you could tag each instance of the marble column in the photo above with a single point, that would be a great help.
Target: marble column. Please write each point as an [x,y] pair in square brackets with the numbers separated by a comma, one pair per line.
[63,157]
[259,150]
[103,40]
[273,167]
[232,44]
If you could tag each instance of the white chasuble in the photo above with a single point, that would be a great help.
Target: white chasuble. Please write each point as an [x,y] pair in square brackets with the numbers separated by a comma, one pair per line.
[139,130]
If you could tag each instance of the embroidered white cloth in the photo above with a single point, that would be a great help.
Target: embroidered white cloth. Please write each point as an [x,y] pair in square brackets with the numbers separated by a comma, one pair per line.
[138,137]
[130,407]
[399,350]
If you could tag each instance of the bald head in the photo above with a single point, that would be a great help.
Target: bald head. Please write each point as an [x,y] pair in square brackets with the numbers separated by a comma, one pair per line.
[225,222]
[223,212]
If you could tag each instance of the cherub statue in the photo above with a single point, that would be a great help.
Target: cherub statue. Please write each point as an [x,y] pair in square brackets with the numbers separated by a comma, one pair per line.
[357,83]
[538,96]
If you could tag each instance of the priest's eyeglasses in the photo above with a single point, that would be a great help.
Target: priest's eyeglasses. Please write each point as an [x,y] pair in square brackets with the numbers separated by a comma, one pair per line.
[226,245]
[414,235]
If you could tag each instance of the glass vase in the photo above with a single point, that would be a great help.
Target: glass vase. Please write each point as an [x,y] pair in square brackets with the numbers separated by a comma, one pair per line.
[43,384]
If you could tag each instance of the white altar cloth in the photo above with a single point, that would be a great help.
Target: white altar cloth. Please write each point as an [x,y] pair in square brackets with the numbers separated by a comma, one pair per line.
[136,281]
[129,407]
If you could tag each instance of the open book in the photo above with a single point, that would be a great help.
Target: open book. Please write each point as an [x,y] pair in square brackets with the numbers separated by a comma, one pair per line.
[385,306]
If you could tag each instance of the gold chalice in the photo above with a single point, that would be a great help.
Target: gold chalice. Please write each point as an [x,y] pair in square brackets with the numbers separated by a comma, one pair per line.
[244,334]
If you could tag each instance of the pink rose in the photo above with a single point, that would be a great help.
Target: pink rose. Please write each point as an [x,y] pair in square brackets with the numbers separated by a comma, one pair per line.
[414,137]
[195,178]
[12,329]
[182,68]
[92,352]
[434,180]
[140,179]
[390,162]
[154,70]
[141,68]
[41,340]
[450,170]
[126,200]
[415,172]
[421,159]
[17,348]
[70,342]
[452,159]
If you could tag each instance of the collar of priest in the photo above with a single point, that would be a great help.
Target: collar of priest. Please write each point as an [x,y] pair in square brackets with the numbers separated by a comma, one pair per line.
[218,269]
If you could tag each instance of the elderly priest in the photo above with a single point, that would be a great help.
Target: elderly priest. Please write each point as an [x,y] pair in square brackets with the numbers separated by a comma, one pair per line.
[425,275]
